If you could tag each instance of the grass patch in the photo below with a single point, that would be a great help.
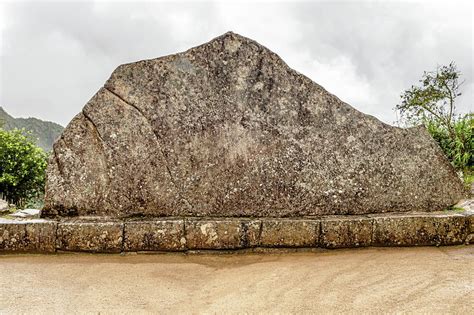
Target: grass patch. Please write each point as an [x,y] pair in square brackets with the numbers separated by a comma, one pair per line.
[454,208]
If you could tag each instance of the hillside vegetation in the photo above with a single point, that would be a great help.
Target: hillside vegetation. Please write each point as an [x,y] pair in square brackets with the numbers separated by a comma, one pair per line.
[45,132]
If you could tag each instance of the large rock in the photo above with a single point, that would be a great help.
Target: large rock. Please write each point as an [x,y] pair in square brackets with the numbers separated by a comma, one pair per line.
[228,129]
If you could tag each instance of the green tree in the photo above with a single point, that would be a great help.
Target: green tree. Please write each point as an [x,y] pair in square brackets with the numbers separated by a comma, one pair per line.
[22,167]
[433,103]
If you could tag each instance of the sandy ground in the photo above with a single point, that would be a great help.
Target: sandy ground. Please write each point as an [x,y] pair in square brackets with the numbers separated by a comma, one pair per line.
[434,280]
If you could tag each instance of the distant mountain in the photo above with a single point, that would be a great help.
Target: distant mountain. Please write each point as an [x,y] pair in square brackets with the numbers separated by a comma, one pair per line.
[45,132]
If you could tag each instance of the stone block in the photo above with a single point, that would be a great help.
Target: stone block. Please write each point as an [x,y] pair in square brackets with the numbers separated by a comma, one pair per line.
[28,236]
[289,233]
[220,233]
[90,236]
[338,232]
[41,236]
[252,231]
[451,229]
[12,236]
[414,229]
[470,217]
[154,235]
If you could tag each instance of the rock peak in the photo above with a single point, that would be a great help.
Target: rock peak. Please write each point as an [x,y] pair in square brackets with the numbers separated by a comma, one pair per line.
[232,34]
[228,129]
[229,39]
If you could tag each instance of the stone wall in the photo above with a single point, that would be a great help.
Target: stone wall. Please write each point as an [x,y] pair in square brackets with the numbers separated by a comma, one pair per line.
[105,235]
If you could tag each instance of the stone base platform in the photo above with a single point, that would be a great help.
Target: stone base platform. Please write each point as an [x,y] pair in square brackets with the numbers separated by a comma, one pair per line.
[104,235]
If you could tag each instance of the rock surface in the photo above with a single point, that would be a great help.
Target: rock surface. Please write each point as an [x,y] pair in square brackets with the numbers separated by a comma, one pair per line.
[34,235]
[26,213]
[3,206]
[228,129]
[101,236]
[289,233]
[417,229]
[215,234]
[162,235]
[339,232]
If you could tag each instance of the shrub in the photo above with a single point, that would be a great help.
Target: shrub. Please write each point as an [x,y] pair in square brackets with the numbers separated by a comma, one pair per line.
[22,167]
[458,148]
[433,103]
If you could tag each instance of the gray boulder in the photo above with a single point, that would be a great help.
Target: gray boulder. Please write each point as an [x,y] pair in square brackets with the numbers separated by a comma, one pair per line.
[228,129]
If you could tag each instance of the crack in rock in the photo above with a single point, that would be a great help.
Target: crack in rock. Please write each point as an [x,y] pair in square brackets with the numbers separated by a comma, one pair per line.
[158,140]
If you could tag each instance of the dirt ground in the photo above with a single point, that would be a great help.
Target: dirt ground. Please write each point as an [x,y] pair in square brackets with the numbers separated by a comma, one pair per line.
[434,280]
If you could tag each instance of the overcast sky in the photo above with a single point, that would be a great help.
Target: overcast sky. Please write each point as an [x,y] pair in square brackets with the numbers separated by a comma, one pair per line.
[56,55]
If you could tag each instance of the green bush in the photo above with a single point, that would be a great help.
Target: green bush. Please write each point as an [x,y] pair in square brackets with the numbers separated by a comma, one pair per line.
[433,103]
[22,167]
[459,148]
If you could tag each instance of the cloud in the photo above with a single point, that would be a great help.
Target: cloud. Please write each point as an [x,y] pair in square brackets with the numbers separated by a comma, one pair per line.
[55,55]
[390,45]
